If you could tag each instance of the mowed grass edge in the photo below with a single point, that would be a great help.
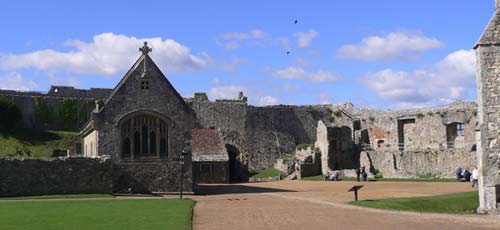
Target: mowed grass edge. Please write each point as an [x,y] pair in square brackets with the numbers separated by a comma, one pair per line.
[56,196]
[457,203]
[97,214]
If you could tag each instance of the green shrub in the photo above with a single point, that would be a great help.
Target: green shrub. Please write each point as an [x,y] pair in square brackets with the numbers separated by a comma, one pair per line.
[68,114]
[43,113]
[10,114]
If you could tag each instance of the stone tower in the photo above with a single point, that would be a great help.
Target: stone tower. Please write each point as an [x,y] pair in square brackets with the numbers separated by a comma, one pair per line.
[488,135]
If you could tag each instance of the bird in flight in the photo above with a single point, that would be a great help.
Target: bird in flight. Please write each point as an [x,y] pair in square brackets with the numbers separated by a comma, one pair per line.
[296,21]
[287,52]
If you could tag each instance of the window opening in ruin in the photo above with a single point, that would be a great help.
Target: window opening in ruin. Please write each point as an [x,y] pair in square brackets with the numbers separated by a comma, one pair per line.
[357,125]
[404,132]
[454,133]
[460,129]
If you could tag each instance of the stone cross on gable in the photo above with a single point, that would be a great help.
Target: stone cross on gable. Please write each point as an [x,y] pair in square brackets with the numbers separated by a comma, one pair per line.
[145,49]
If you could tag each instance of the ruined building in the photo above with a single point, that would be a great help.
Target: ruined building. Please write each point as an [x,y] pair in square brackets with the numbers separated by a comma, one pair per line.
[488,83]
[143,124]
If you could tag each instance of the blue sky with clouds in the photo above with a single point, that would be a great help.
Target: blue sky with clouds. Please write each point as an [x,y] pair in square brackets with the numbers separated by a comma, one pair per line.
[385,53]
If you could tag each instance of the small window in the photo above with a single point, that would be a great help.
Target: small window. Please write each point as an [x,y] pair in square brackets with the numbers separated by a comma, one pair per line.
[144,84]
[460,129]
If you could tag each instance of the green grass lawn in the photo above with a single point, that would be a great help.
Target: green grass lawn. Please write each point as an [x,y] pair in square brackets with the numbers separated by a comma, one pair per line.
[464,203]
[62,196]
[97,214]
[321,178]
[34,143]
[265,173]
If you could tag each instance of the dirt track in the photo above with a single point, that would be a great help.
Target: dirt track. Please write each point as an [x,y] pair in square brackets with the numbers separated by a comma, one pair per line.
[322,205]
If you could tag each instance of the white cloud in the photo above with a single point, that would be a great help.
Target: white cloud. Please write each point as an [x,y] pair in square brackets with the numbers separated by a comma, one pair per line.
[325,98]
[446,81]
[14,81]
[267,100]
[66,81]
[403,46]
[225,91]
[255,37]
[300,74]
[107,54]
[304,39]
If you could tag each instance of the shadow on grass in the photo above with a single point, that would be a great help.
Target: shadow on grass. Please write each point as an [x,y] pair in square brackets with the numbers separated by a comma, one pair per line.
[220,189]
[31,136]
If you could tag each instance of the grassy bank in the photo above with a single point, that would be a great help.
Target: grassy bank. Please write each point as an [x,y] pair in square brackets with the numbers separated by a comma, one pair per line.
[97,214]
[464,203]
[34,143]
[265,173]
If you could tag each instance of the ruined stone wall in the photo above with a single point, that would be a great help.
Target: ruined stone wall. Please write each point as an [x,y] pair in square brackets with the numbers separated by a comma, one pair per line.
[264,134]
[54,176]
[420,142]
[42,110]
[418,163]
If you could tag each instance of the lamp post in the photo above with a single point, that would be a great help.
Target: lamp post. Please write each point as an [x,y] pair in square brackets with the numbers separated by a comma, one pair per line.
[184,153]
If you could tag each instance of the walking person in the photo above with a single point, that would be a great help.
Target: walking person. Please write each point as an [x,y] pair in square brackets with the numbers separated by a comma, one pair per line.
[475,175]
[363,172]
[358,173]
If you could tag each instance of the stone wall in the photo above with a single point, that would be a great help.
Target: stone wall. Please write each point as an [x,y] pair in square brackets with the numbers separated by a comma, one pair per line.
[420,163]
[264,134]
[488,142]
[54,176]
[30,102]
[156,176]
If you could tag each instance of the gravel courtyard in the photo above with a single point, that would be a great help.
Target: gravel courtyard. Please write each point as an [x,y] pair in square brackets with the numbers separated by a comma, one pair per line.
[323,205]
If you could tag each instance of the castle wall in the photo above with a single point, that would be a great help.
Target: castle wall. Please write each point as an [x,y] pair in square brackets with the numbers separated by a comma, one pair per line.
[43,110]
[421,142]
[54,176]
[262,134]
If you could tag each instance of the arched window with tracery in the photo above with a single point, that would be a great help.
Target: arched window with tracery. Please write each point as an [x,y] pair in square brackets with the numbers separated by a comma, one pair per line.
[145,135]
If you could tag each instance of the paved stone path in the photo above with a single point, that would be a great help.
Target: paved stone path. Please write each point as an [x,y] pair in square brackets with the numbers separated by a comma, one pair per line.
[322,205]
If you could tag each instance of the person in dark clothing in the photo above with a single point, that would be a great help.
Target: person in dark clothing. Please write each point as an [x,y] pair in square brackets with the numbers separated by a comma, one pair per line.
[358,173]
[467,175]
[363,173]
[458,173]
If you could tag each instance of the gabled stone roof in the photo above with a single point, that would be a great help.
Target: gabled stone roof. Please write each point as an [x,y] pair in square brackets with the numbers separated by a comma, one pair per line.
[491,35]
[207,145]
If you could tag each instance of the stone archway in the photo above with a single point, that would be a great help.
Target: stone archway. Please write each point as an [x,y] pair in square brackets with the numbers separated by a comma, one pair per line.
[235,166]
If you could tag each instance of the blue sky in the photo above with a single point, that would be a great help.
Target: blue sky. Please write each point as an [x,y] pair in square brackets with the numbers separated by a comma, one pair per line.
[383,54]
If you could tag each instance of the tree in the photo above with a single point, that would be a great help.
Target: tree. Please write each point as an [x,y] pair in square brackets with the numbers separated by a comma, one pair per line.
[10,114]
